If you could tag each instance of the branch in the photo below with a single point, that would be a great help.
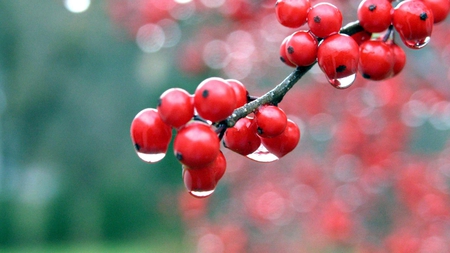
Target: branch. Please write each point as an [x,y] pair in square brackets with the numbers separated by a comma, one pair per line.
[275,95]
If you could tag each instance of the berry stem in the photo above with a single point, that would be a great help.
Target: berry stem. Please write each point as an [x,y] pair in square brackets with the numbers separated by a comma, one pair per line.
[275,95]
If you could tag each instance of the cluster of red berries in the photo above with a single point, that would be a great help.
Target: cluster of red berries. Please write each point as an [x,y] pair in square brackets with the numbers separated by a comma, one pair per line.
[341,56]
[199,120]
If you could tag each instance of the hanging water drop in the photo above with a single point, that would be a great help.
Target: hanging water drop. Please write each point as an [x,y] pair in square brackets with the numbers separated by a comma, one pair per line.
[417,44]
[344,82]
[201,194]
[150,158]
[262,155]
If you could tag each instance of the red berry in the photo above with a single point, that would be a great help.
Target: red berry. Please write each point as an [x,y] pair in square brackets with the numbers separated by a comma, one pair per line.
[376,60]
[196,145]
[283,53]
[242,137]
[270,120]
[150,135]
[284,143]
[414,22]
[440,9]
[214,99]
[375,15]
[324,19]
[361,36]
[199,182]
[292,13]
[399,58]
[338,58]
[301,48]
[175,107]
[240,92]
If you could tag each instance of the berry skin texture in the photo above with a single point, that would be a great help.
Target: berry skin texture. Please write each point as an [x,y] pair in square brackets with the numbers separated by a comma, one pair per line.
[283,53]
[214,99]
[375,15]
[413,20]
[324,19]
[376,60]
[362,36]
[150,135]
[242,137]
[399,58]
[338,58]
[301,48]
[285,142]
[196,145]
[270,120]
[240,92]
[198,181]
[292,13]
[175,107]
[440,9]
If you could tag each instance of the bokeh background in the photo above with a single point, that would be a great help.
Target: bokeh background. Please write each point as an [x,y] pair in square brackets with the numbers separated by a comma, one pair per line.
[371,173]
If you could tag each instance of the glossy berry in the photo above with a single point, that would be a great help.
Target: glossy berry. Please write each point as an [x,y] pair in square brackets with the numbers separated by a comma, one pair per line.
[175,107]
[240,92]
[324,19]
[196,145]
[292,13]
[285,142]
[376,60]
[270,120]
[414,22]
[199,182]
[375,15]
[214,99]
[301,48]
[283,53]
[361,36]
[338,59]
[399,58]
[242,137]
[150,135]
[440,9]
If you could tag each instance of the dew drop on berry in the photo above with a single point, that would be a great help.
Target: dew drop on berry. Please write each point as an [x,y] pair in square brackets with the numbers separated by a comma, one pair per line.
[150,158]
[417,44]
[201,194]
[344,82]
[262,155]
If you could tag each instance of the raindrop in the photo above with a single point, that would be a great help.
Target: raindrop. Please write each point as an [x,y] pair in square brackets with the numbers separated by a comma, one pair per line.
[417,44]
[262,155]
[342,83]
[202,194]
[151,158]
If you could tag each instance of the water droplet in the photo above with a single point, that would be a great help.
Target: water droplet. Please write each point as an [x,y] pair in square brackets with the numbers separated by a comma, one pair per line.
[262,155]
[417,44]
[344,82]
[201,194]
[151,158]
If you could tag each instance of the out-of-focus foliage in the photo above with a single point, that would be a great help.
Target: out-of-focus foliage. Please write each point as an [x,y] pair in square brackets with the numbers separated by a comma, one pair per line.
[70,84]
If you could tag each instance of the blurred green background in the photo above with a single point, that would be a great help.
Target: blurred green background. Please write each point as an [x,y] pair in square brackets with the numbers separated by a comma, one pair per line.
[70,84]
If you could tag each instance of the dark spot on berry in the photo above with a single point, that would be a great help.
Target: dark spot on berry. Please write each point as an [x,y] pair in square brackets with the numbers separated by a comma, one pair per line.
[205,93]
[317,19]
[137,147]
[366,76]
[159,102]
[372,7]
[290,50]
[282,59]
[259,130]
[341,68]
[179,156]
[423,16]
